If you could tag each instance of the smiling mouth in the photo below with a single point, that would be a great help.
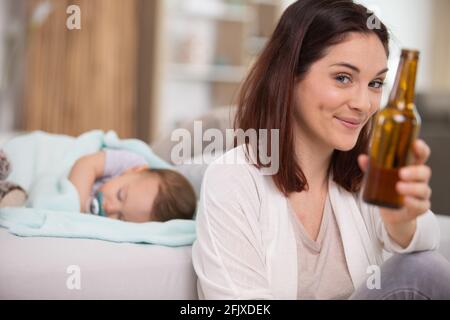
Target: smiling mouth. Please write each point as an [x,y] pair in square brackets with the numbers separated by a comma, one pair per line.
[350,124]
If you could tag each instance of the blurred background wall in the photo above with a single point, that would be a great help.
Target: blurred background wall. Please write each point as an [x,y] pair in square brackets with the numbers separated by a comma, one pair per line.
[144,67]
[12,43]
[140,67]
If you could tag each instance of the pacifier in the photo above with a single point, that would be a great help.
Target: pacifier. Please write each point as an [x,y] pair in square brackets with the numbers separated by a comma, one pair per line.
[96,207]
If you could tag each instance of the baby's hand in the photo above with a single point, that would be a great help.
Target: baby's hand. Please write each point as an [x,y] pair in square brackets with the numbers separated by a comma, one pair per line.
[83,175]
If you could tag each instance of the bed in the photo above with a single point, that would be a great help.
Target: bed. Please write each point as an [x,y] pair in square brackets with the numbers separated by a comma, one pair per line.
[44,268]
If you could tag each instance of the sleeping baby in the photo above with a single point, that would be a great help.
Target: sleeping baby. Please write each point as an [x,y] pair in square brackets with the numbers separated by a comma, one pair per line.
[119,184]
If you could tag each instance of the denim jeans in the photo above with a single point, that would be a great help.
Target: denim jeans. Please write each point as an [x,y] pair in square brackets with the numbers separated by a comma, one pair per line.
[414,276]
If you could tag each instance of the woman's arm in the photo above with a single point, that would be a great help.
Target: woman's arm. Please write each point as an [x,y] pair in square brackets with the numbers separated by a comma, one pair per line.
[83,175]
[228,255]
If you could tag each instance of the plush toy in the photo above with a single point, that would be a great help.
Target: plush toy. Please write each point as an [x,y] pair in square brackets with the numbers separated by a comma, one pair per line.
[11,195]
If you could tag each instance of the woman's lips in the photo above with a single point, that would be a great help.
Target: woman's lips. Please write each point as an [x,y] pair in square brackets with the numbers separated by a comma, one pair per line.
[354,124]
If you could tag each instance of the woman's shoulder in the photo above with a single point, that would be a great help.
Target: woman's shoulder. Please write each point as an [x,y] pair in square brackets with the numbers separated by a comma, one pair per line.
[232,186]
[234,171]
[234,164]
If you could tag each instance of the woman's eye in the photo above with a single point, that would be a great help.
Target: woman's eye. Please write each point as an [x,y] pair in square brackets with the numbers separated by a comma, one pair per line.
[377,84]
[343,79]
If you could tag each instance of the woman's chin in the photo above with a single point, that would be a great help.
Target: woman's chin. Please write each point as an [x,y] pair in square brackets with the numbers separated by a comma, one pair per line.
[345,144]
[344,139]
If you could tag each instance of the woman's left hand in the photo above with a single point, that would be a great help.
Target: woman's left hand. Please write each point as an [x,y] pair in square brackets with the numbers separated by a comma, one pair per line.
[413,185]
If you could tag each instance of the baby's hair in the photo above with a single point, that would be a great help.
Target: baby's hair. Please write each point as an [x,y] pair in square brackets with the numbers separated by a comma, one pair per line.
[176,197]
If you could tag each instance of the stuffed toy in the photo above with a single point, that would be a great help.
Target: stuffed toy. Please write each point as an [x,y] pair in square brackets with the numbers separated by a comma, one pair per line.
[11,195]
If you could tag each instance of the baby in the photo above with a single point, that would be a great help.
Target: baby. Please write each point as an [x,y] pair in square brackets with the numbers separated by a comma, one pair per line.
[120,185]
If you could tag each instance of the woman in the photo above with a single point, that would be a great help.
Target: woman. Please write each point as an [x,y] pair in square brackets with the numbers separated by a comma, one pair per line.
[304,232]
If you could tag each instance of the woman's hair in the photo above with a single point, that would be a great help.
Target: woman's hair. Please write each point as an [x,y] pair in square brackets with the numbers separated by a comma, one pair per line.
[304,33]
[176,197]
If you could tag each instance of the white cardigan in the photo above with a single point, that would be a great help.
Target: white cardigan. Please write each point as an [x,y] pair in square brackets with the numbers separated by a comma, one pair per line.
[245,247]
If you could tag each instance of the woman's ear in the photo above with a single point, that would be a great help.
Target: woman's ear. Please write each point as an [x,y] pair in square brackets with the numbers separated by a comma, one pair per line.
[137,169]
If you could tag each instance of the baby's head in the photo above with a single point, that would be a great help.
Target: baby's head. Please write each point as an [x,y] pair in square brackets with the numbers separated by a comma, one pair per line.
[141,194]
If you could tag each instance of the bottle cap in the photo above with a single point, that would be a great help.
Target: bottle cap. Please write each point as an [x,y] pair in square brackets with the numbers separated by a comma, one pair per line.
[410,54]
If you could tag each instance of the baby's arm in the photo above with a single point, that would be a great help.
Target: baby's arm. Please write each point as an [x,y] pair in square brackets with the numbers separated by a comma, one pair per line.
[83,175]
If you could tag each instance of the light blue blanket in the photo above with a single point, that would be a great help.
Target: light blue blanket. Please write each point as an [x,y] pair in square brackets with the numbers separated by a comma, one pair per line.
[41,164]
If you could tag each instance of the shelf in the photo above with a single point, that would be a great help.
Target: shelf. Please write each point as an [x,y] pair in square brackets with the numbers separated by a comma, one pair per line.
[207,73]
[274,3]
[218,11]
[211,44]
[226,17]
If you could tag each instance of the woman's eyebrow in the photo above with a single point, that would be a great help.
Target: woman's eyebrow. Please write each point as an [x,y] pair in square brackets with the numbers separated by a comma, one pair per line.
[382,71]
[356,69]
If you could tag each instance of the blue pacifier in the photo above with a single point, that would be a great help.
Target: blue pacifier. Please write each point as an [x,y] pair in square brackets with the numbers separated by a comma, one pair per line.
[97,205]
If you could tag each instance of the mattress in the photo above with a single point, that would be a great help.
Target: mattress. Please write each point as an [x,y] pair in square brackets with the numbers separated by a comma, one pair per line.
[60,268]
[444,224]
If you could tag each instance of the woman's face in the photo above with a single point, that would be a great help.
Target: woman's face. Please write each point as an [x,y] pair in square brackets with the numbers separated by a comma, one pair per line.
[341,91]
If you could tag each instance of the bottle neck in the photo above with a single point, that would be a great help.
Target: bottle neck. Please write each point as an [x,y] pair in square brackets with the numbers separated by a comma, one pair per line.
[403,92]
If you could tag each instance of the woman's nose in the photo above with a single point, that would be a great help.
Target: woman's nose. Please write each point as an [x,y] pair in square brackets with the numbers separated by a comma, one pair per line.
[361,101]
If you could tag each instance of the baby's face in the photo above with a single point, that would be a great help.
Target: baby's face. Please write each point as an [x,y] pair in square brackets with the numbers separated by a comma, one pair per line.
[130,197]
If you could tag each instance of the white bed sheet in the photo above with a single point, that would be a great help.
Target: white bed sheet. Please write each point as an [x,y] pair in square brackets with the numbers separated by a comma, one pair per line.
[37,268]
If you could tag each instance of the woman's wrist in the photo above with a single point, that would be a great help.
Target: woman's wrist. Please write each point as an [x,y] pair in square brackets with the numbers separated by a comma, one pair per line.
[402,232]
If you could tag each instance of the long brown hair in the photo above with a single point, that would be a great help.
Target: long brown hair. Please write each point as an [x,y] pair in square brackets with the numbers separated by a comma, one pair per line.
[306,29]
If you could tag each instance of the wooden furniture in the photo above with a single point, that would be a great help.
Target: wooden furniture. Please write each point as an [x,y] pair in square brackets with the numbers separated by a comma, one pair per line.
[93,78]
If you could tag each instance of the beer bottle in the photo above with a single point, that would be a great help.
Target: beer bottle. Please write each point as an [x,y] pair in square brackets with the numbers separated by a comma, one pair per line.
[394,130]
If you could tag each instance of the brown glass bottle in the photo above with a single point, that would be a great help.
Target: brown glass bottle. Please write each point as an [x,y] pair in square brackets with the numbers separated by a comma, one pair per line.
[395,128]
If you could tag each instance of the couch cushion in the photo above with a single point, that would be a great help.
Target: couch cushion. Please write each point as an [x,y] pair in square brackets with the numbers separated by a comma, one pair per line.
[444,223]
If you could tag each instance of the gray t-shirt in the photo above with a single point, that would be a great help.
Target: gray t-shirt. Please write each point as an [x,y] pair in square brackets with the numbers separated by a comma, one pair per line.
[322,268]
[116,163]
